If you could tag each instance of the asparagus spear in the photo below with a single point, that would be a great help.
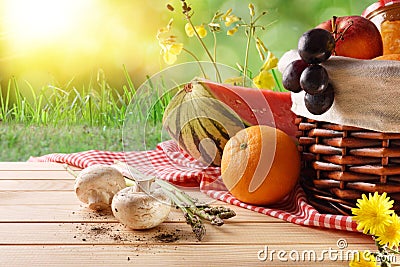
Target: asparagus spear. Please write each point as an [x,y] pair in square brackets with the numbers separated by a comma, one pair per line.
[193,211]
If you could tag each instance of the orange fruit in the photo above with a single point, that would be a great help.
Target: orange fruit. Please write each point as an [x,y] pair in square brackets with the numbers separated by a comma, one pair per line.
[388,57]
[260,165]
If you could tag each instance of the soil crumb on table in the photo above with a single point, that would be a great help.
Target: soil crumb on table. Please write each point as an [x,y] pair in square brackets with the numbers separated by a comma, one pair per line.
[166,237]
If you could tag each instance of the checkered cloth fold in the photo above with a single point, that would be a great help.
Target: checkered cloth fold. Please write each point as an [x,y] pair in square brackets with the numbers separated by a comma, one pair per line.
[169,162]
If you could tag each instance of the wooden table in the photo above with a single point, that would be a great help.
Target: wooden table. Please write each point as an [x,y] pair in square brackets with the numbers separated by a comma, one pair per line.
[43,224]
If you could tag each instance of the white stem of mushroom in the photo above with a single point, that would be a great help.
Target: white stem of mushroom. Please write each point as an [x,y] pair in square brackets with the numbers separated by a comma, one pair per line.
[144,182]
[97,200]
[145,185]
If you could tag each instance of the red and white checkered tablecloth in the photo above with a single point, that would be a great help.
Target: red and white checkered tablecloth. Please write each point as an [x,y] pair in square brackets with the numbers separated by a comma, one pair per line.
[170,163]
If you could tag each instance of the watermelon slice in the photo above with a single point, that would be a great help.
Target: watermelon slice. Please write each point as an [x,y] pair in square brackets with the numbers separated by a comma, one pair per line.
[256,107]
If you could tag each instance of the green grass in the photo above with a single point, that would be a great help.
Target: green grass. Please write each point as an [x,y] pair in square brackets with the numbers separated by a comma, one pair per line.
[96,104]
[19,141]
[67,119]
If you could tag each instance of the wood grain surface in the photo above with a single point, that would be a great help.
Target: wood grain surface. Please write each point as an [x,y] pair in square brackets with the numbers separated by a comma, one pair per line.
[42,223]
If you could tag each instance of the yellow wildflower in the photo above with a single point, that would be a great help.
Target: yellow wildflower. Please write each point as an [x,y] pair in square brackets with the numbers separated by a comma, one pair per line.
[270,63]
[233,30]
[170,49]
[390,235]
[373,213]
[227,13]
[264,80]
[229,18]
[201,30]
[363,259]
[251,10]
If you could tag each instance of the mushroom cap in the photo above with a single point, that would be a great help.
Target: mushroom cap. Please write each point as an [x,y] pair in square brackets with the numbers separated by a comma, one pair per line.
[97,184]
[139,210]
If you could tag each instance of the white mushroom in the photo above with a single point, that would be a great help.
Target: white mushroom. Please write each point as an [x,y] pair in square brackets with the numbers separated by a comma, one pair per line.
[96,185]
[138,208]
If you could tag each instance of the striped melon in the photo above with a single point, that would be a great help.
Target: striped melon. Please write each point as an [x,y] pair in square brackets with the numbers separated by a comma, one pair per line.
[200,124]
[202,116]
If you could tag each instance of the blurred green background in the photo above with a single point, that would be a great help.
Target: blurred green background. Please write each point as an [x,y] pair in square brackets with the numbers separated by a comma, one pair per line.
[69,68]
[67,41]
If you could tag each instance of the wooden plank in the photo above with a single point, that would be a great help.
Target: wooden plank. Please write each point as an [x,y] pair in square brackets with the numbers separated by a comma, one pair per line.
[172,255]
[58,205]
[35,175]
[32,166]
[38,197]
[115,233]
[37,185]
[60,197]
[79,213]
[15,207]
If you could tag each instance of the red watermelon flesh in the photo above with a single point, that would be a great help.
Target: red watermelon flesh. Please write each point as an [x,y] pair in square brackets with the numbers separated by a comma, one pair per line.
[255,106]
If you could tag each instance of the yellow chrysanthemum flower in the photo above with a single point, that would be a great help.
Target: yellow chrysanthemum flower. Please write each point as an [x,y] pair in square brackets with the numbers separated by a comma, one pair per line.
[390,235]
[264,80]
[363,259]
[373,213]
[201,30]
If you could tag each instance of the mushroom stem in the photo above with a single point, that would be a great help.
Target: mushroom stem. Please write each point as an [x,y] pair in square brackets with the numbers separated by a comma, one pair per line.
[193,211]
[145,184]
[97,184]
[97,200]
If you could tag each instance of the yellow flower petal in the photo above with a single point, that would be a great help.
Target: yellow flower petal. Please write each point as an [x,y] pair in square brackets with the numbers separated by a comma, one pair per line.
[227,13]
[260,51]
[169,58]
[373,214]
[363,259]
[231,19]
[251,10]
[175,48]
[270,63]
[264,80]
[201,30]
[390,235]
[233,30]
[189,30]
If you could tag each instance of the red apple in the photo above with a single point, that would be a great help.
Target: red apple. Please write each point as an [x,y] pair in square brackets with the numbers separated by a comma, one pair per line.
[356,37]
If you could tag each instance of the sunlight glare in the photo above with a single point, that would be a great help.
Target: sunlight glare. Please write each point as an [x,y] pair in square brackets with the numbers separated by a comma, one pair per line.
[32,20]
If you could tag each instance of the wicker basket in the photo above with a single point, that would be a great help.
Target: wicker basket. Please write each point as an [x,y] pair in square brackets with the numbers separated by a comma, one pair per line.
[340,163]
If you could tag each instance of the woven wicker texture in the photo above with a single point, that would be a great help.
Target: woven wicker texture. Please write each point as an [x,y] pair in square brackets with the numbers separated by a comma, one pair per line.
[340,163]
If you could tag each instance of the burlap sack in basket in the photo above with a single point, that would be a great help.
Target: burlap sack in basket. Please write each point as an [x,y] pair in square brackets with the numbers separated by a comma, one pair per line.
[367,93]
